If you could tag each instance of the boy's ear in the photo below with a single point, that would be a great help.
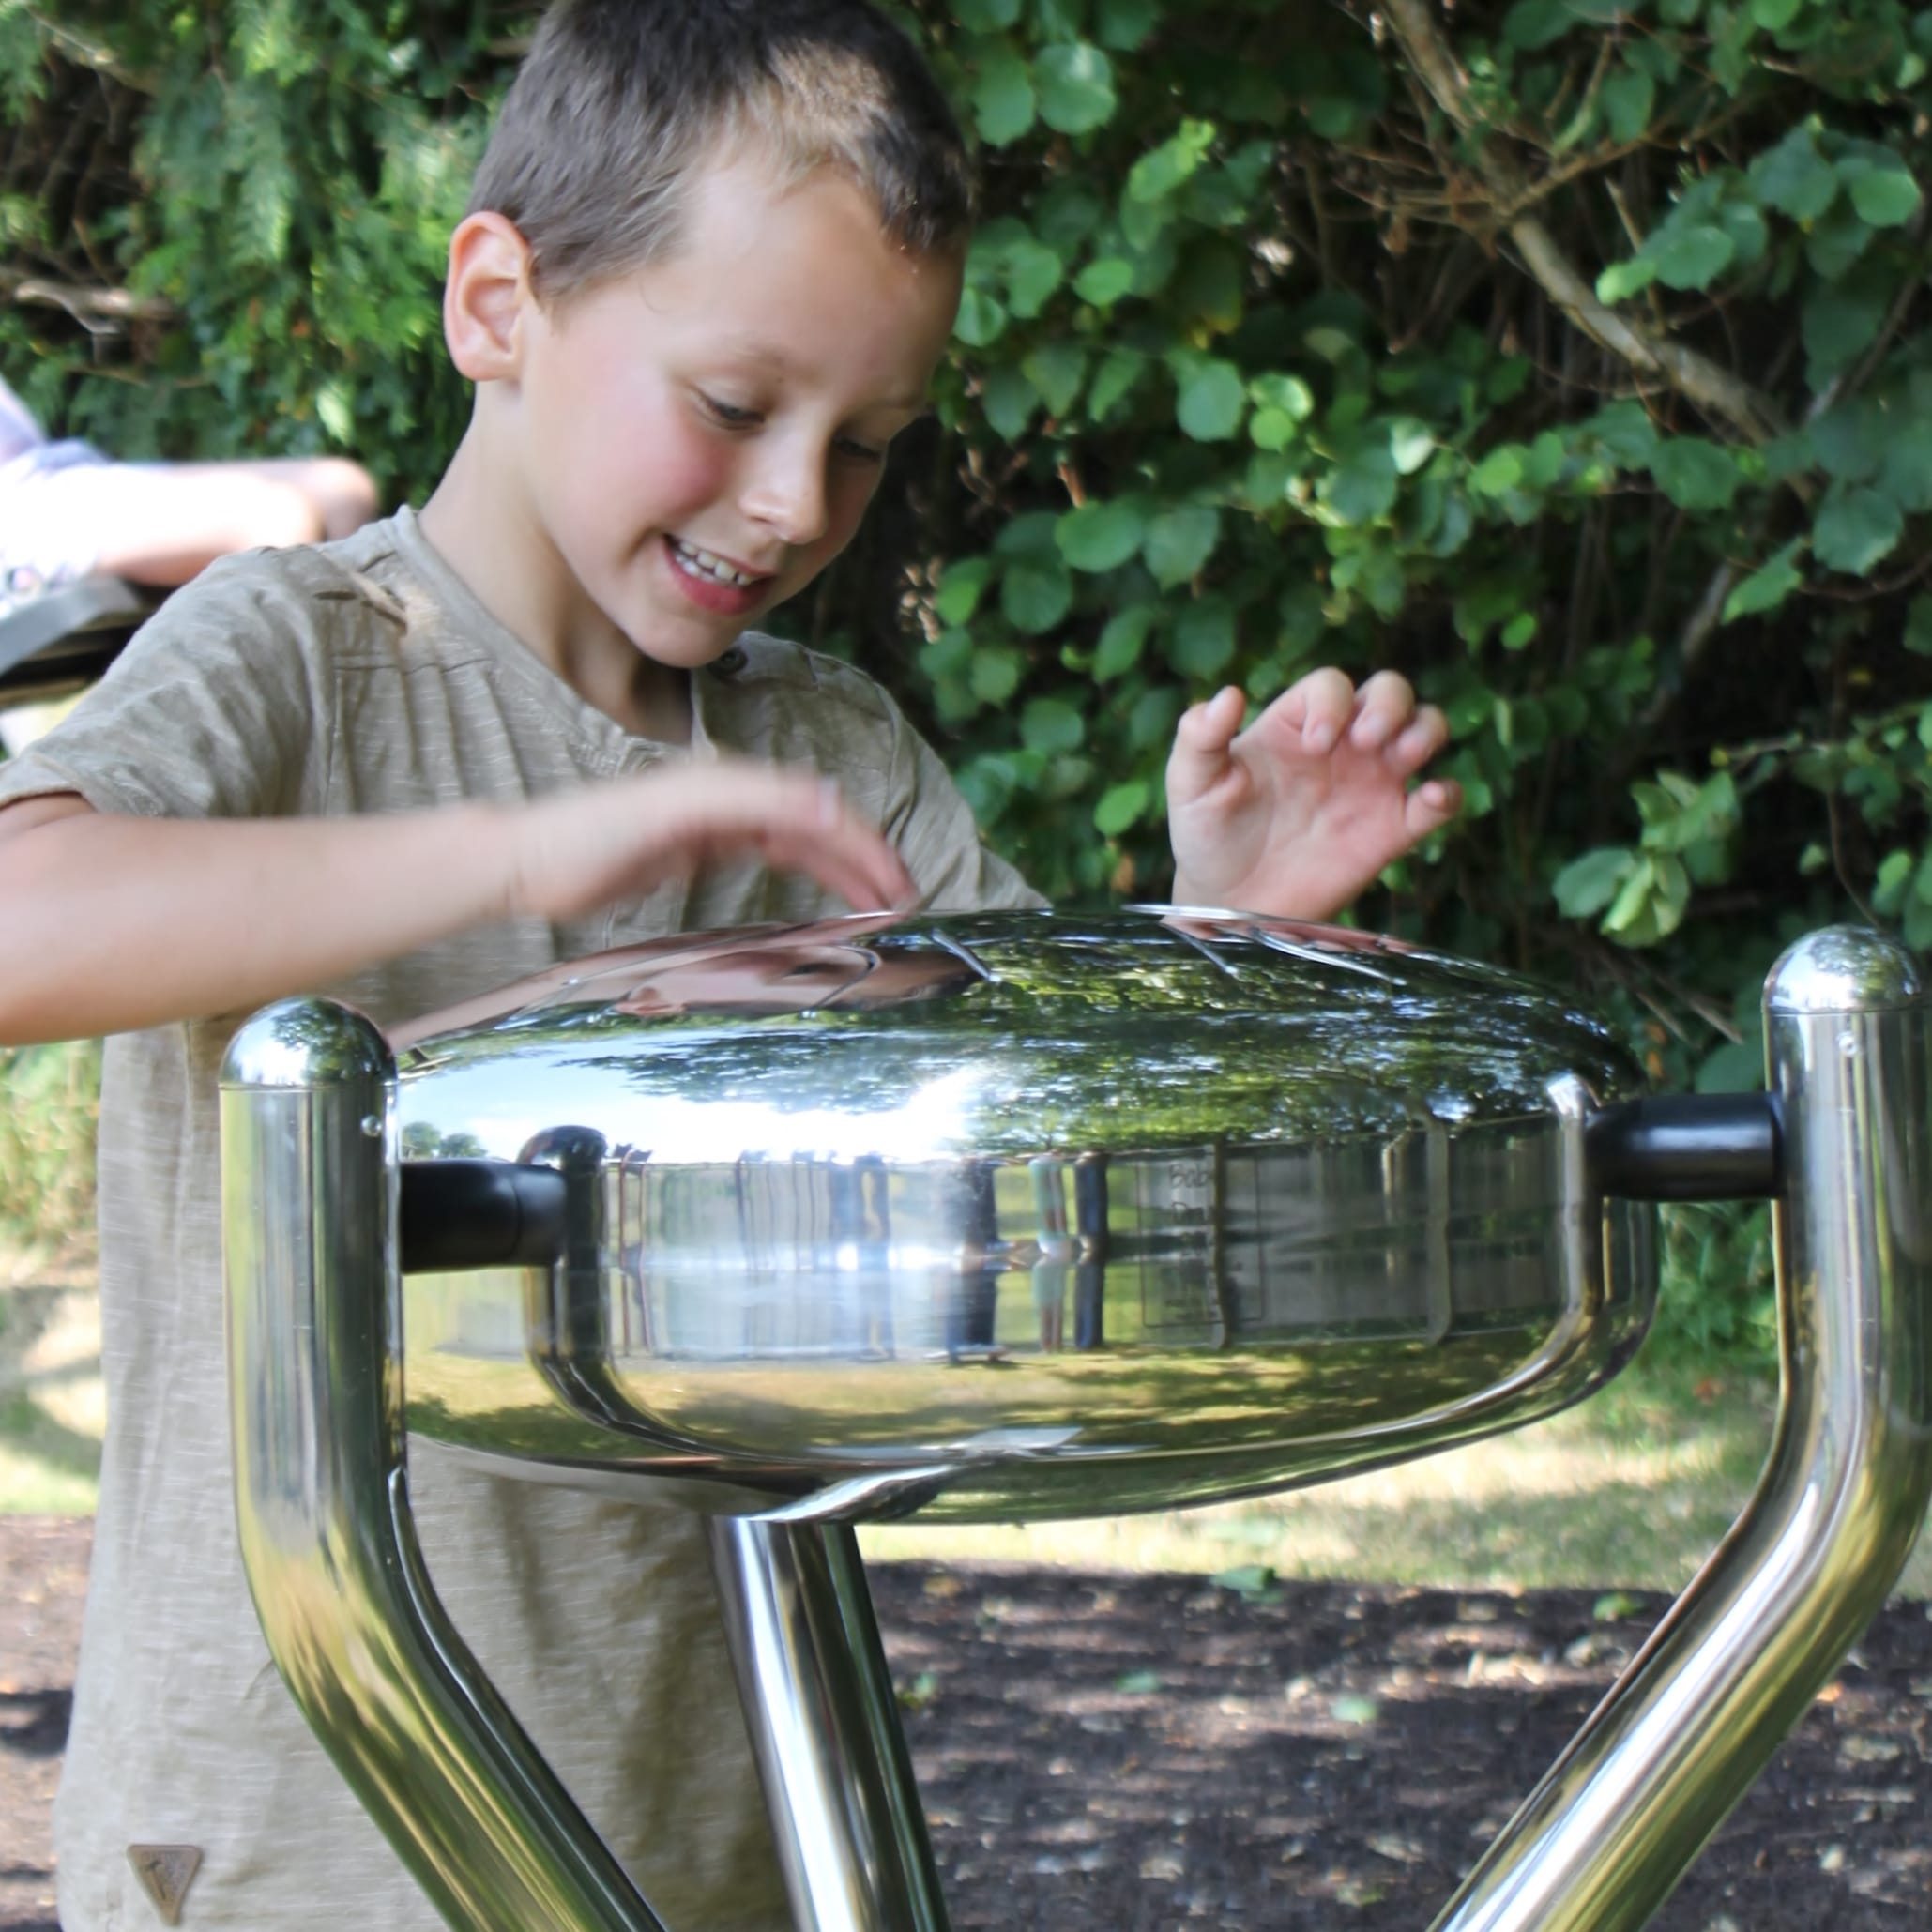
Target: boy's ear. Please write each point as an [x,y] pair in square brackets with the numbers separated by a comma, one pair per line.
[485,295]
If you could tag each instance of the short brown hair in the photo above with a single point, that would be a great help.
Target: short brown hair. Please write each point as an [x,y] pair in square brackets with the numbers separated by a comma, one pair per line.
[620,102]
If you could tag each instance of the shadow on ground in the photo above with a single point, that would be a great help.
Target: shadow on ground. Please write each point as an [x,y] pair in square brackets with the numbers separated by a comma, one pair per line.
[1119,1753]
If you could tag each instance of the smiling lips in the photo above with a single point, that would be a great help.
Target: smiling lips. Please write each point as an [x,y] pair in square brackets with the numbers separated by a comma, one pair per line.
[712,581]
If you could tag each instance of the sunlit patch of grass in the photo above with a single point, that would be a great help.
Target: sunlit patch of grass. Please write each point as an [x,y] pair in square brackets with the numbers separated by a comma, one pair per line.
[1634,1488]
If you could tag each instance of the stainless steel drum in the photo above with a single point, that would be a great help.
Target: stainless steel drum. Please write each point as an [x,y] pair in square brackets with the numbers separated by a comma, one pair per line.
[1014,1214]
[1018,1216]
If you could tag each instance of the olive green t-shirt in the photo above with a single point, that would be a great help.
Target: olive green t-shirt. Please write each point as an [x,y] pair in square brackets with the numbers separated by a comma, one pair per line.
[364,676]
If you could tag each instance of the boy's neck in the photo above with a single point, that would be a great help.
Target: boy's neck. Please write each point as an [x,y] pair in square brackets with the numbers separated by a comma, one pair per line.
[517,581]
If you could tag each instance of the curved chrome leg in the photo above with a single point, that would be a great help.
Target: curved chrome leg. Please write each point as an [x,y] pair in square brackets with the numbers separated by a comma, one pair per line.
[825,1729]
[321,1495]
[1611,1829]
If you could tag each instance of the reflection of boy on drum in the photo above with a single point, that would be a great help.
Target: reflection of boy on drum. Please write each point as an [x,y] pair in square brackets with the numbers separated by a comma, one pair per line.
[712,256]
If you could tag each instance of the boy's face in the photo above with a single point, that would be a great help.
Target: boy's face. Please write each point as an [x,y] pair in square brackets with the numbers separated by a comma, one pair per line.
[700,438]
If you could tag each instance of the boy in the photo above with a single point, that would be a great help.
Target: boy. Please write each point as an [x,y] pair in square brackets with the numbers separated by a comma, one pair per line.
[712,258]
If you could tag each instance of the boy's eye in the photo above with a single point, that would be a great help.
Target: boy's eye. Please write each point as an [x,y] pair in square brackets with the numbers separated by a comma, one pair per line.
[728,413]
[855,451]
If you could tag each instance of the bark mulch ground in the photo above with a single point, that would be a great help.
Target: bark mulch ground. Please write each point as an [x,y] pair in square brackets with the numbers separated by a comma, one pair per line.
[1101,1753]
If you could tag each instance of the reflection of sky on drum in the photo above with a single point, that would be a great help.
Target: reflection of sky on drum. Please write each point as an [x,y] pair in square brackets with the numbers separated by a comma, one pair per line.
[934,1122]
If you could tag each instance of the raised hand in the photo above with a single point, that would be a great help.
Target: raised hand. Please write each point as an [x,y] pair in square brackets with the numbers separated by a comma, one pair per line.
[1299,812]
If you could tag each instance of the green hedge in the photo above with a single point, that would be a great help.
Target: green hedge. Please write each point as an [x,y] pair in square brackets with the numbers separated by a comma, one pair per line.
[1567,355]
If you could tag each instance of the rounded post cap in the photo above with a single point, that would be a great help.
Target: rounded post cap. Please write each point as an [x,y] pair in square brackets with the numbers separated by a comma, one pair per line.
[1843,969]
[306,1042]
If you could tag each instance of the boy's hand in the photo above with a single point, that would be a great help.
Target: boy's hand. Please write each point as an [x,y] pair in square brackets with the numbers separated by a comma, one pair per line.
[583,850]
[1298,813]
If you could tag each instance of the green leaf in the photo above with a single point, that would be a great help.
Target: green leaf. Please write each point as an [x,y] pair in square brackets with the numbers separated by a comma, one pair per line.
[1629,97]
[1203,639]
[1033,272]
[1794,178]
[1035,595]
[980,319]
[1119,646]
[1905,472]
[1768,585]
[1116,376]
[1162,170]
[1105,280]
[1498,472]
[1102,535]
[1076,87]
[1288,394]
[1836,243]
[1773,16]
[1050,726]
[1693,256]
[1004,105]
[1626,432]
[960,588]
[1211,400]
[1056,370]
[995,673]
[1123,24]
[1841,321]
[985,16]
[1587,885]
[1533,24]
[1138,1683]
[1694,474]
[1857,528]
[1121,806]
[1364,487]
[1008,400]
[1887,196]
[1918,628]
[1622,280]
[1180,541]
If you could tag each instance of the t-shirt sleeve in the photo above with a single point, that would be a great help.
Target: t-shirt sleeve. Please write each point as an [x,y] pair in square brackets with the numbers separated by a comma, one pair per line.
[214,710]
[931,825]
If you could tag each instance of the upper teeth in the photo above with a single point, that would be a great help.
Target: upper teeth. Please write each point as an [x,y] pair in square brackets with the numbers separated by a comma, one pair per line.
[702,560]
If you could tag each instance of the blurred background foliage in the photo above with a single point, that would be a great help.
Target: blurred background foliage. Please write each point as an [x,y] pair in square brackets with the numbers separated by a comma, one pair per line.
[1570,356]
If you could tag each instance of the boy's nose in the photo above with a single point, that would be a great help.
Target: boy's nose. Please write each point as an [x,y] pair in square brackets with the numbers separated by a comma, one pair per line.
[787,492]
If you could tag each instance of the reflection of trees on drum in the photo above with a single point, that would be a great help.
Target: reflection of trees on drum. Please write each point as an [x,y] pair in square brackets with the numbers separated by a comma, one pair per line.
[1055,1247]
[972,1293]
[861,1238]
[1089,1249]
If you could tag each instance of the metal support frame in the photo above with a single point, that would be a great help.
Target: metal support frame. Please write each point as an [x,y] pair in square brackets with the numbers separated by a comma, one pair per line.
[321,1495]
[322,1501]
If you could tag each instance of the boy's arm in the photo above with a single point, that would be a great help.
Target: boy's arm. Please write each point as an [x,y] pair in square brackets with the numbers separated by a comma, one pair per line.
[115,921]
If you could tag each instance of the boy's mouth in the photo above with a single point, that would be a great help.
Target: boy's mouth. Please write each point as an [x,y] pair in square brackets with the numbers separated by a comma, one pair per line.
[706,563]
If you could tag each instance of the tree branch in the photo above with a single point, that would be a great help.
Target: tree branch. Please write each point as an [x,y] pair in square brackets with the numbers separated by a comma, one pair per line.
[1752,414]
[113,304]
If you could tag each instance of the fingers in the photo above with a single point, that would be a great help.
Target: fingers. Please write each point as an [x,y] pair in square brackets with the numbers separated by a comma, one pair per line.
[1201,740]
[1431,806]
[1383,708]
[1319,705]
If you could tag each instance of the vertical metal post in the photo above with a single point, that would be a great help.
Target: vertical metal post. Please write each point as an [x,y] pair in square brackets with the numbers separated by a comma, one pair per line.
[321,1495]
[825,1729]
[1607,1835]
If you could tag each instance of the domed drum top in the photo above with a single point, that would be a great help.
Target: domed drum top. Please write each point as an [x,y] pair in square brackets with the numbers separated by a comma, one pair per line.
[1018,1214]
